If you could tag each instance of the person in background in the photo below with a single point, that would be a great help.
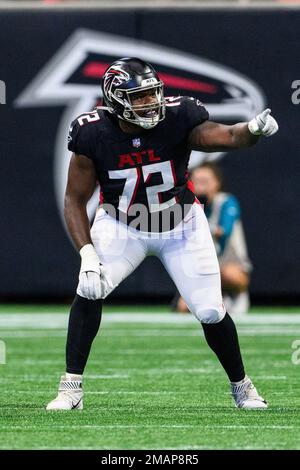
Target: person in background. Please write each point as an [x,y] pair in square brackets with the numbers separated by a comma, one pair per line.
[224,217]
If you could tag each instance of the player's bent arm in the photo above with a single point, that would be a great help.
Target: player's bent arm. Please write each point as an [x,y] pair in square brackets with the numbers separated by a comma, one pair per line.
[80,187]
[94,281]
[213,137]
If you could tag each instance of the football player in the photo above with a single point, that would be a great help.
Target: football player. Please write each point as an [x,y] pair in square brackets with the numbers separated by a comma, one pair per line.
[137,147]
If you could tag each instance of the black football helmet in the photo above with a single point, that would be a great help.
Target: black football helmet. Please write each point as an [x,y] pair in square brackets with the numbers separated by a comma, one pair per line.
[124,83]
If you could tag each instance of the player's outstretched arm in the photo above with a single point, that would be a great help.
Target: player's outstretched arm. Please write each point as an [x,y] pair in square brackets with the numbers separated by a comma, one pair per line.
[80,187]
[212,136]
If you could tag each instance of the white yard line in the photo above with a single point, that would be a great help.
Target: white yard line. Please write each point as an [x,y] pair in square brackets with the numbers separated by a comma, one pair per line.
[131,325]
[60,320]
[137,333]
[180,318]
[32,334]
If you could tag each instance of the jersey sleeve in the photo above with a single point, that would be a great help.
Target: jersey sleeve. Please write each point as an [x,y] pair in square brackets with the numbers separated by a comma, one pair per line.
[79,140]
[194,112]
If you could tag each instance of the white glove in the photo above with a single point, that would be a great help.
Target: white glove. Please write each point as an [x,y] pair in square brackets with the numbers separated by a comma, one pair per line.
[263,124]
[94,281]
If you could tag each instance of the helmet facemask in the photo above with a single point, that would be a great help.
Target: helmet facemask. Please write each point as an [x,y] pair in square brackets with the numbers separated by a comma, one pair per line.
[146,116]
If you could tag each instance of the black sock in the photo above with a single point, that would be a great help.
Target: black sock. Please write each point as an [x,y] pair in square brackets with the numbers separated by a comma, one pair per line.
[84,322]
[223,339]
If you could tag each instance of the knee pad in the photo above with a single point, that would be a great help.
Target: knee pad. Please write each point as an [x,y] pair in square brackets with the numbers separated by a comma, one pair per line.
[210,315]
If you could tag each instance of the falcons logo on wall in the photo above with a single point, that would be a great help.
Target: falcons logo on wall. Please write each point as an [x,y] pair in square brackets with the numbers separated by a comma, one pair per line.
[73,76]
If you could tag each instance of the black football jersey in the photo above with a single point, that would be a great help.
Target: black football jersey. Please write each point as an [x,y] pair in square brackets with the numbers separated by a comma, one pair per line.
[147,169]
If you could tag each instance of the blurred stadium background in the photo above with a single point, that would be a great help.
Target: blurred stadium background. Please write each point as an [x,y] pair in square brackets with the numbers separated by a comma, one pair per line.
[237,56]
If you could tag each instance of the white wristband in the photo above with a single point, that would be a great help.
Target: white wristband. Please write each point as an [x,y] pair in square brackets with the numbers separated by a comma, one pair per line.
[89,259]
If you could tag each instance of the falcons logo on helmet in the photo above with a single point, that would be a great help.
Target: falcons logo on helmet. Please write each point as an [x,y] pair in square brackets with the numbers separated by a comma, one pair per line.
[114,76]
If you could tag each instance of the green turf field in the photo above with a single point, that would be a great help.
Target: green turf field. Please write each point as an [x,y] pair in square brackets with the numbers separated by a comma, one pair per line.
[151,383]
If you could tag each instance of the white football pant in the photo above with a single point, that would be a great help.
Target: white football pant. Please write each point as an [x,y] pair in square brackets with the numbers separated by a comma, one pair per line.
[187,252]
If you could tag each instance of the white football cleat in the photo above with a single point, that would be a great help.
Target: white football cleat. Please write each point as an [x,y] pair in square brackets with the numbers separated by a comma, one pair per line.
[245,396]
[70,396]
